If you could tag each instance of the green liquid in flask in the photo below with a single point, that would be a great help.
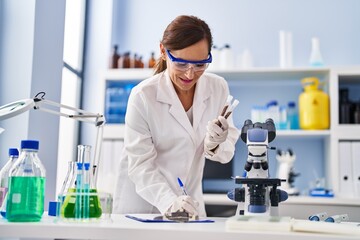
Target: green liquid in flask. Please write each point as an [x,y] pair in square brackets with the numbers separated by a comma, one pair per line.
[26,199]
[68,208]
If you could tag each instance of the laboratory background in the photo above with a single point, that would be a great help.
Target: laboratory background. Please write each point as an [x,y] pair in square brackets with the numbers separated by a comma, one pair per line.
[43,49]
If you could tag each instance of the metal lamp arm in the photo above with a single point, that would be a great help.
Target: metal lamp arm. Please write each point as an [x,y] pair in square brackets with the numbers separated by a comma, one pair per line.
[82,115]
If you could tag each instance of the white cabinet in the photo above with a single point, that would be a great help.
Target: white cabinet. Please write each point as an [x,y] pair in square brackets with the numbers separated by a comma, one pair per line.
[259,84]
[339,77]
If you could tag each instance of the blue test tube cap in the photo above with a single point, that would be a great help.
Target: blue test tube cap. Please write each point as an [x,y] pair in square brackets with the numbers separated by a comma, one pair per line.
[79,166]
[87,166]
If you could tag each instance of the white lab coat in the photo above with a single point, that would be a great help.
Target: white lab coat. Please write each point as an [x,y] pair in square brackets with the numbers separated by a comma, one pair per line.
[162,145]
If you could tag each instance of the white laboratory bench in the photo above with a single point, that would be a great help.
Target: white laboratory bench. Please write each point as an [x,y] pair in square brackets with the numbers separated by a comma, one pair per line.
[301,207]
[120,227]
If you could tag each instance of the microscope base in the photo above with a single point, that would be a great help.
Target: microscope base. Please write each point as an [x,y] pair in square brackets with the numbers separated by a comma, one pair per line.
[259,223]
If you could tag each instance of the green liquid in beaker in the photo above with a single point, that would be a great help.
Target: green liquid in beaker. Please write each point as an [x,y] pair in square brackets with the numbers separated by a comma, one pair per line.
[68,208]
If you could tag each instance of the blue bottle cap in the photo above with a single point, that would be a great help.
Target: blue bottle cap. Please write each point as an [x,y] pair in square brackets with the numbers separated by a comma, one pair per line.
[30,144]
[13,152]
[291,104]
[272,103]
[53,208]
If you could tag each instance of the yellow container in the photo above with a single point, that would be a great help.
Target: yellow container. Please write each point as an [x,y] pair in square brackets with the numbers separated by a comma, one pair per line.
[313,106]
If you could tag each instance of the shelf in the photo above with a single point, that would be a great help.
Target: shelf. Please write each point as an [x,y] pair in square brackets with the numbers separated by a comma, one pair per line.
[303,133]
[128,74]
[116,132]
[273,73]
[251,73]
[348,131]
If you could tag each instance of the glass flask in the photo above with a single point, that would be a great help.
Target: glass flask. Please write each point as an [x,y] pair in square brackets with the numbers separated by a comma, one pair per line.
[80,200]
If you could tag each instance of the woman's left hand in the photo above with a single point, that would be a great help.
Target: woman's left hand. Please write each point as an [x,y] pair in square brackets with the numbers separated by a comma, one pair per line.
[217,132]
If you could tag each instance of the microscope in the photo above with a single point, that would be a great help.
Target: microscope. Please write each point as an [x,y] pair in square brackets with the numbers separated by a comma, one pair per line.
[259,194]
[286,171]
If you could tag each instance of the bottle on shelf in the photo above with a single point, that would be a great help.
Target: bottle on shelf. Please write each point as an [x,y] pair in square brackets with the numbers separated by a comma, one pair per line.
[152,61]
[26,185]
[4,179]
[316,59]
[292,116]
[357,113]
[215,64]
[126,60]
[345,107]
[273,112]
[227,58]
[114,57]
[286,49]
[138,61]
[313,106]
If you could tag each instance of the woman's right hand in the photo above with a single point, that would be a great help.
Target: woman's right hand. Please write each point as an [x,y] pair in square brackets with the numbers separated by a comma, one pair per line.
[184,203]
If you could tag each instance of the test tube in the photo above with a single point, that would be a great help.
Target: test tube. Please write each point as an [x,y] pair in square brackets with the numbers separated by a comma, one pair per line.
[79,190]
[86,186]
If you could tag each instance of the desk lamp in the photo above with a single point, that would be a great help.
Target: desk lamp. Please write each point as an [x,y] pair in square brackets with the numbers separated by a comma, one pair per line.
[40,103]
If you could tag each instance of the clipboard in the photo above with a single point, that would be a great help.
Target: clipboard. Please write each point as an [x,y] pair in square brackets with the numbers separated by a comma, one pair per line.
[155,220]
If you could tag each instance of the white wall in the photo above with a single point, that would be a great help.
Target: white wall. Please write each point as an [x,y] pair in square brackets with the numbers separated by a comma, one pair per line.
[31,47]
[98,38]
[253,24]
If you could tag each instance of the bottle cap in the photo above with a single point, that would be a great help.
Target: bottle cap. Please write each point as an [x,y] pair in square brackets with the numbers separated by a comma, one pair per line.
[272,103]
[53,208]
[30,144]
[291,104]
[13,152]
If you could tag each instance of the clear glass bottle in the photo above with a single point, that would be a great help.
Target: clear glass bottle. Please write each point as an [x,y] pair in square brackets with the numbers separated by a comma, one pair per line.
[26,185]
[4,179]
[273,112]
[292,116]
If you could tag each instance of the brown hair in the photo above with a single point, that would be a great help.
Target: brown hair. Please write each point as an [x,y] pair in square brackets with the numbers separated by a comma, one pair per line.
[183,32]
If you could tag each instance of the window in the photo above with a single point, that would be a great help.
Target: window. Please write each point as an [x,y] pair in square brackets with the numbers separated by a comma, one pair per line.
[72,77]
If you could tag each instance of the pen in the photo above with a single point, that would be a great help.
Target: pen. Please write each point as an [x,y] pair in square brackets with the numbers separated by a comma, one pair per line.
[182,186]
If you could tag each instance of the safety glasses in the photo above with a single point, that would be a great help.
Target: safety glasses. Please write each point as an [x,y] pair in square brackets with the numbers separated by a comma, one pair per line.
[183,65]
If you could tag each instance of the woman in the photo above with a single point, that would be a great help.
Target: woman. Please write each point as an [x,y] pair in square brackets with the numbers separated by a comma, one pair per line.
[167,128]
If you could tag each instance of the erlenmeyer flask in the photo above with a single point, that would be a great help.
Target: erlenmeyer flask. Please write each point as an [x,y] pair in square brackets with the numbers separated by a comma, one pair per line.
[80,201]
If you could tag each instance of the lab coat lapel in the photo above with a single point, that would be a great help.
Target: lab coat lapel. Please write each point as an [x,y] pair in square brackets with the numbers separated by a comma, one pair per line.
[167,94]
[202,93]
